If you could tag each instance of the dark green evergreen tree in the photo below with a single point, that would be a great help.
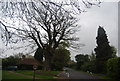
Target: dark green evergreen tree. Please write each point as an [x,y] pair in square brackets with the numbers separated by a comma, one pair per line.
[103,50]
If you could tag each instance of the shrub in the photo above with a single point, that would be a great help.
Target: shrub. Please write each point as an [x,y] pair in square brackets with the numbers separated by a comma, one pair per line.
[113,67]
[88,66]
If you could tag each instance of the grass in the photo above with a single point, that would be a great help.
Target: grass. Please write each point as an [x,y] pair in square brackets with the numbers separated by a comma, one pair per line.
[50,72]
[9,75]
[27,72]
[39,74]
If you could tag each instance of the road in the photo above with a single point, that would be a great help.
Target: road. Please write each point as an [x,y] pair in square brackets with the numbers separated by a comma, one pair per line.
[72,74]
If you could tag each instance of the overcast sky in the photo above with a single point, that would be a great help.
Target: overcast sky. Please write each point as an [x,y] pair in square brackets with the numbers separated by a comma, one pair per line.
[107,16]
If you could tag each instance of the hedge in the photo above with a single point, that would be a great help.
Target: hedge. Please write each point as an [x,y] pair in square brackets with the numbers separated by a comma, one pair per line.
[113,67]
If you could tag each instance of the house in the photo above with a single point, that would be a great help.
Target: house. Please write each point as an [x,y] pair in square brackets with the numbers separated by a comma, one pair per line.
[27,63]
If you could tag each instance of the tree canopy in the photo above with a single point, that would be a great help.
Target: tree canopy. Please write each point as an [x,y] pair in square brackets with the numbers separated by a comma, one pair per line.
[81,59]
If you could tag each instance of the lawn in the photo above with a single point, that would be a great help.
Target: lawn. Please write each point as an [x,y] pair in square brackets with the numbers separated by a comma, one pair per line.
[9,75]
[39,74]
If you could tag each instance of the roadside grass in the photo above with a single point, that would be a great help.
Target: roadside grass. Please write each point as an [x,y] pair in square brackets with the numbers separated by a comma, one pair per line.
[38,74]
[8,75]
[50,72]
[29,72]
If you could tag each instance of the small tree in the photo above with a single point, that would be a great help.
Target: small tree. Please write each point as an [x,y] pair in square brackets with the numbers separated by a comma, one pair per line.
[81,59]
[114,51]
[92,57]
[60,58]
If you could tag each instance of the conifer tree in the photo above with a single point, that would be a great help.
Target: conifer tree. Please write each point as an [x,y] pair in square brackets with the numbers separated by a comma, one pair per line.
[103,50]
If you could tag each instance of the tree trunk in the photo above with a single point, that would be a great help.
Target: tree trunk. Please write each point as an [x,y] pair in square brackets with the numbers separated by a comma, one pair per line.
[47,63]
[48,55]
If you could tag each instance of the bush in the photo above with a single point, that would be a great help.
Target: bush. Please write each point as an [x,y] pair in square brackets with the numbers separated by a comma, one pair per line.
[9,61]
[113,67]
[88,66]
[100,66]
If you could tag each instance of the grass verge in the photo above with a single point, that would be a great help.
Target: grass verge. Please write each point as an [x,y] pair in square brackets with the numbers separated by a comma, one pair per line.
[9,75]
[39,74]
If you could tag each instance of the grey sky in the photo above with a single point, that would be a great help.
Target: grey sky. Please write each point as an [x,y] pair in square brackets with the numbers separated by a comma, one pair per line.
[105,16]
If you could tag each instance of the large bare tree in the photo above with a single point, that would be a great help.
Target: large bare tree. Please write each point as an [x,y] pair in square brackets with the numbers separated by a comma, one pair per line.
[46,24]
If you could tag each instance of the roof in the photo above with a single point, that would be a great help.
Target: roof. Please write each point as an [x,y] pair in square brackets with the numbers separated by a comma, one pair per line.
[29,61]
